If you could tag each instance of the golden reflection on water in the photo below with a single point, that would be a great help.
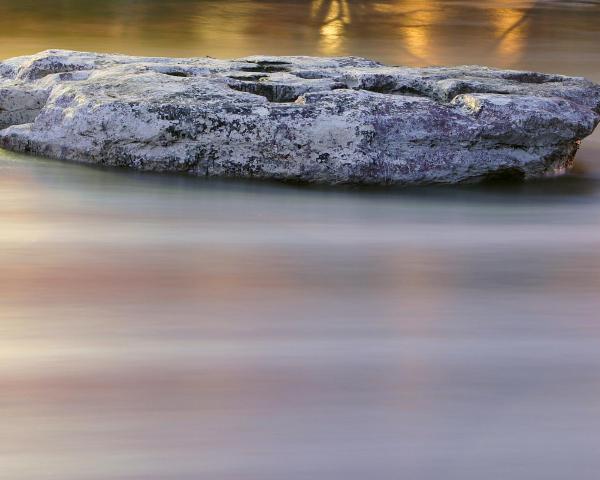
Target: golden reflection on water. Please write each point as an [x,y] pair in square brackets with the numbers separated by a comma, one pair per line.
[504,33]
[511,28]
[417,33]
[333,16]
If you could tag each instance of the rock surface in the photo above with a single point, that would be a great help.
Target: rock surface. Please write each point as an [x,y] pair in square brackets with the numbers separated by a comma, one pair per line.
[332,120]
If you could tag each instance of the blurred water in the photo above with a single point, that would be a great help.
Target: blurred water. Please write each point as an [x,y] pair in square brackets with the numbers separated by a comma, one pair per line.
[164,327]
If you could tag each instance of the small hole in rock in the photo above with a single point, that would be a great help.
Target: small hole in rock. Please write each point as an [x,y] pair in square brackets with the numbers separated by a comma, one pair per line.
[532,77]
[273,93]
[255,78]
[271,62]
[268,67]
[393,89]
[177,74]
[309,75]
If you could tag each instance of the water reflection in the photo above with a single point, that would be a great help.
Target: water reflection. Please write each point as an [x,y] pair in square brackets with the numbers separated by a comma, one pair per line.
[333,16]
[418,32]
[415,32]
[511,29]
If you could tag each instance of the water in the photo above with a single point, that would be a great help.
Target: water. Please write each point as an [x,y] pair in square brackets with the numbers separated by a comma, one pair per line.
[170,328]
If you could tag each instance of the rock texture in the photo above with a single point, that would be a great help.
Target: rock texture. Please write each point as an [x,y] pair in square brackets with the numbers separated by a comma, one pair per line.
[332,120]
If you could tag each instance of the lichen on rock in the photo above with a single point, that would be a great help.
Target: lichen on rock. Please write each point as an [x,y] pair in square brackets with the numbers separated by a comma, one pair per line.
[328,120]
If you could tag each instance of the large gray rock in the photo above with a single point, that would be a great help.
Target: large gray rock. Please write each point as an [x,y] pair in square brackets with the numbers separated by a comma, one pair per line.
[332,120]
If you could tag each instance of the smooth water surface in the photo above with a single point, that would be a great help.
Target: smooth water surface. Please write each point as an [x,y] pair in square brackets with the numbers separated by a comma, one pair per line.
[171,328]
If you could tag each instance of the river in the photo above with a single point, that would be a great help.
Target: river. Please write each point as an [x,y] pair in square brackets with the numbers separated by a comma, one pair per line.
[161,327]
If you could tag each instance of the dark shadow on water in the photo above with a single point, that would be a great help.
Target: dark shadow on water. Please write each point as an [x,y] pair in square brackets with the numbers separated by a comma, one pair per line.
[572,187]
[577,187]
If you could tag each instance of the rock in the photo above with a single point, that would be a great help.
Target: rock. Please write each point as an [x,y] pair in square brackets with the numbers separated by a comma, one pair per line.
[331,120]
